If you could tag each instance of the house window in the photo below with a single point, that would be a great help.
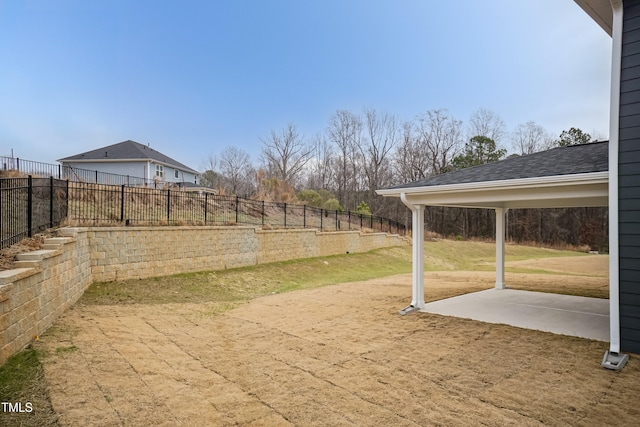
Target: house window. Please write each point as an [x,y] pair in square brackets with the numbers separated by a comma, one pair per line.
[160,171]
[175,174]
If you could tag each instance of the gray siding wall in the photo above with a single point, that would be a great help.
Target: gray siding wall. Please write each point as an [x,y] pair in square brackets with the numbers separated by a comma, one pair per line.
[134,169]
[629,180]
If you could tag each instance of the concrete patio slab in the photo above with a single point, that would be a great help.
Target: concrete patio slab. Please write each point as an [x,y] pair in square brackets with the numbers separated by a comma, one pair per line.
[560,314]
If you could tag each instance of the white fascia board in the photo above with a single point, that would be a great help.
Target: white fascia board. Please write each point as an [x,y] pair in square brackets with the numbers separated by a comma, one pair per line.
[511,184]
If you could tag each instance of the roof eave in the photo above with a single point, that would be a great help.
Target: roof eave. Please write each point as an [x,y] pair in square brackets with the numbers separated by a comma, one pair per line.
[600,11]
[554,180]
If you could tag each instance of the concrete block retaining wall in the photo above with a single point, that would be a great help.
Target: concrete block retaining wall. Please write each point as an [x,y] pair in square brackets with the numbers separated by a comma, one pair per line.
[47,282]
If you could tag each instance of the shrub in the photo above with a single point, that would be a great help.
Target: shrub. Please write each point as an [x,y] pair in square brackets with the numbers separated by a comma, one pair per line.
[310,198]
[363,209]
[333,205]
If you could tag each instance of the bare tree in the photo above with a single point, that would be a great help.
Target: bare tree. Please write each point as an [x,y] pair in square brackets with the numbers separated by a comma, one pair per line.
[236,168]
[285,154]
[382,135]
[529,138]
[411,161]
[441,136]
[320,171]
[487,123]
[344,130]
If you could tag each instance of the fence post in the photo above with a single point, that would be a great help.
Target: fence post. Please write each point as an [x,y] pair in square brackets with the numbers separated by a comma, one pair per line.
[168,205]
[67,200]
[206,204]
[263,213]
[285,215]
[59,171]
[304,216]
[122,203]
[237,202]
[349,216]
[321,215]
[50,201]
[337,222]
[29,205]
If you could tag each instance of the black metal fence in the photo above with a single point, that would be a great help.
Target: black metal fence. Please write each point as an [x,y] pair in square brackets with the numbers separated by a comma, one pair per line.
[30,167]
[29,205]
[96,203]
[32,204]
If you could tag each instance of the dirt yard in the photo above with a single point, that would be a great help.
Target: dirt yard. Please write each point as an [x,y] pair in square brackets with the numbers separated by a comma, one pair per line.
[337,355]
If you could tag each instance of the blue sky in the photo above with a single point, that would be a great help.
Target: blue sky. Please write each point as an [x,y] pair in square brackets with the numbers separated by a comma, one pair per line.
[192,77]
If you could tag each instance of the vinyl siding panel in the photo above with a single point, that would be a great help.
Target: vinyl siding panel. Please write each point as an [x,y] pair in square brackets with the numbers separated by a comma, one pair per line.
[630,109]
[631,9]
[627,98]
[628,169]
[630,73]
[630,204]
[633,120]
[634,339]
[630,229]
[632,300]
[632,253]
[630,132]
[629,180]
[630,157]
[133,169]
[633,334]
[637,291]
[630,61]
[629,311]
[629,271]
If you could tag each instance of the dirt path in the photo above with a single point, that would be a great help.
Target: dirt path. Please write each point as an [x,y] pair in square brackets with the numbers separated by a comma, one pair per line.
[338,355]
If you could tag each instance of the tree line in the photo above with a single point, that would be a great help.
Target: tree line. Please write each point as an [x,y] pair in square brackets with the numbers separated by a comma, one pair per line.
[358,153]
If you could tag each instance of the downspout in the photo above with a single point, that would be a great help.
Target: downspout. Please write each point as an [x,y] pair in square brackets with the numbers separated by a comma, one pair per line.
[612,358]
[417,223]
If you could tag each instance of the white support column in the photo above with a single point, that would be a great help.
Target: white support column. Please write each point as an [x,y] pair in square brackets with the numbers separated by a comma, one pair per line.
[417,299]
[417,231]
[500,234]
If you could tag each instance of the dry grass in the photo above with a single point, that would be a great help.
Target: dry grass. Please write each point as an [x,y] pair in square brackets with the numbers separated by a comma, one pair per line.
[335,355]
[8,255]
[201,350]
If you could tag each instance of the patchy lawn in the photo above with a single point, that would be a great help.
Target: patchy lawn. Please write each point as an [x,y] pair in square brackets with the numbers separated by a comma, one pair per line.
[239,348]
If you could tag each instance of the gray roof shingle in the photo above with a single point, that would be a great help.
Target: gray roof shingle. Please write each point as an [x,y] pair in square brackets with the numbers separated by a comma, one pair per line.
[128,150]
[574,159]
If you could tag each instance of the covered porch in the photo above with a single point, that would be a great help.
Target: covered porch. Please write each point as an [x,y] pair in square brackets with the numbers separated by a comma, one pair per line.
[574,176]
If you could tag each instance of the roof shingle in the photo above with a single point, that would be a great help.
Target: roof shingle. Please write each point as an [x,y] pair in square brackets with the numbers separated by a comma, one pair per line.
[127,150]
[574,159]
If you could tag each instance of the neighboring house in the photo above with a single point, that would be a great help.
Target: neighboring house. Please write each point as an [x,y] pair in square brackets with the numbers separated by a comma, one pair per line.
[589,175]
[133,159]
